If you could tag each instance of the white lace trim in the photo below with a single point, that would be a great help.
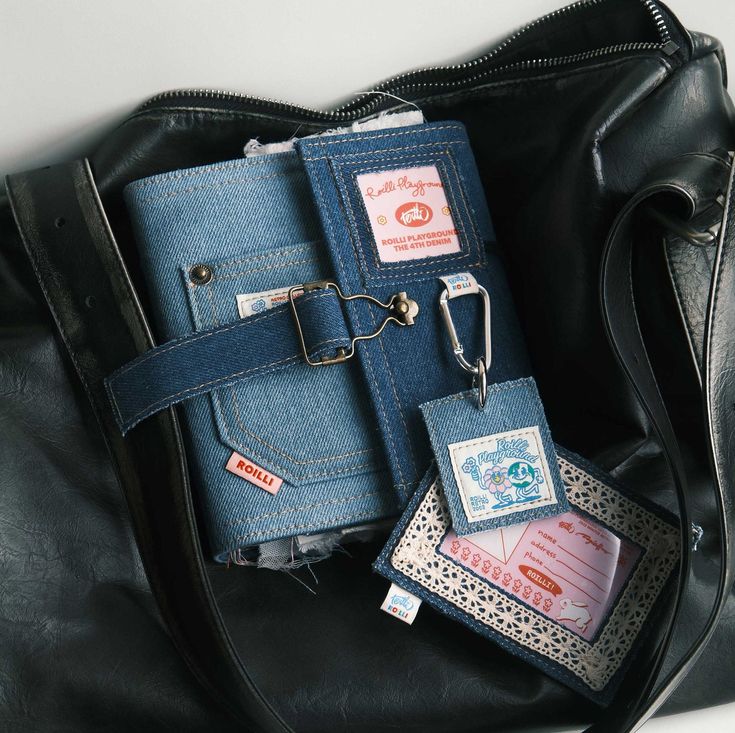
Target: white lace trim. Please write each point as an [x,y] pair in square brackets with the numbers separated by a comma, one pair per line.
[595,663]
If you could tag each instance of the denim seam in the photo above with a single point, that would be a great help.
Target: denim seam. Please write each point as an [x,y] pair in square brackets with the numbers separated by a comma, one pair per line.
[163,179]
[421,131]
[279,252]
[291,510]
[498,387]
[213,305]
[412,456]
[289,457]
[240,539]
[319,194]
[261,440]
[194,301]
[210,187]
[254,452]
[277,266]
[446,260]
[381,154]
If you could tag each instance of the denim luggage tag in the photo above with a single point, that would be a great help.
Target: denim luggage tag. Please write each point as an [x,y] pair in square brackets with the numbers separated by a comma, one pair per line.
[497,463]
[570,594]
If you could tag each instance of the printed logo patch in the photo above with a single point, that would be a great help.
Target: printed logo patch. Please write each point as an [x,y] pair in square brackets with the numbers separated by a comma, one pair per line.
[255,474]
[463,283]
[401,604]
[502,474]
[409,213]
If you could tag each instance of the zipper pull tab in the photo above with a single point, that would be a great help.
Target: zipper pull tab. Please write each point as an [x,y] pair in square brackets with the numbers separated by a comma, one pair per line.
[670,48]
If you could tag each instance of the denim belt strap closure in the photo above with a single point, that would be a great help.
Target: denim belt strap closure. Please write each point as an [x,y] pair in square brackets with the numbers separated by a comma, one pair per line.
[313,329]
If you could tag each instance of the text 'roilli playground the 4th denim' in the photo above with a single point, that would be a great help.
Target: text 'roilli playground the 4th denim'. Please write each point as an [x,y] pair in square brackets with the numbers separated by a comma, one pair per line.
[300,450]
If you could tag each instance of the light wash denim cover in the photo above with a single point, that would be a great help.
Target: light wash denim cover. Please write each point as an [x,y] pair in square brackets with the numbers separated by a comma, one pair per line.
[349,443]
[253,222]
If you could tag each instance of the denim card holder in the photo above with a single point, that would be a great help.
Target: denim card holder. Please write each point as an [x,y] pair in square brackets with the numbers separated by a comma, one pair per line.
[497,463]
[570,594]
[290,452]
[399,209]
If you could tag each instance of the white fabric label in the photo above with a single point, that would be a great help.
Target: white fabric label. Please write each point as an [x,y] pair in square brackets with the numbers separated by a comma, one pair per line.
[460,284]
[502,474]
[249,304]
[401,604]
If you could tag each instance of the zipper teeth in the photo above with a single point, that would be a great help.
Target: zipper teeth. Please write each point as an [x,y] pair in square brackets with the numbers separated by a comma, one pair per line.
[659,21]
[541,63]
[500,47]
[405,81]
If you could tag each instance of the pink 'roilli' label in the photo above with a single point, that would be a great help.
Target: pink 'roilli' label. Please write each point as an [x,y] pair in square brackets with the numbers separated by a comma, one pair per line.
[409,214]
[254,473]
[567,567]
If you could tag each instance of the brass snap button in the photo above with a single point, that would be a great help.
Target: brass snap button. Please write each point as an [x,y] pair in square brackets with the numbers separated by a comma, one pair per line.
[200,274]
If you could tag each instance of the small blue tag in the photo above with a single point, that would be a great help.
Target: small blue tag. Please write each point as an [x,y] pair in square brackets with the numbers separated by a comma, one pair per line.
[498,465]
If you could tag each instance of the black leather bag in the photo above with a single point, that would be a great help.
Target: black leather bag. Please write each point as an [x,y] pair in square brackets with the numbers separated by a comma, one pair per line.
[600,133]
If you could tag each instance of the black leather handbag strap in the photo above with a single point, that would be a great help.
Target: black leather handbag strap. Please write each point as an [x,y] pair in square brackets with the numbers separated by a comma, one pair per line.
[81,273]
[79,268]
[692,183]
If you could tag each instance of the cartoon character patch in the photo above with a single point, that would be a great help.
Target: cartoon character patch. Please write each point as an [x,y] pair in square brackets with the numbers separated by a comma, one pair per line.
[500,474]
[513,484]
[498,464]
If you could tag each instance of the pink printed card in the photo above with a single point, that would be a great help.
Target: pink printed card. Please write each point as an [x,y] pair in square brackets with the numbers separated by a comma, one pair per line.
[409,214]
[569,593]
[569,567]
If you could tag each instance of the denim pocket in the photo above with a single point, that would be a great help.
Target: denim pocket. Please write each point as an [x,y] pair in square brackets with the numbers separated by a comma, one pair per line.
[305,425]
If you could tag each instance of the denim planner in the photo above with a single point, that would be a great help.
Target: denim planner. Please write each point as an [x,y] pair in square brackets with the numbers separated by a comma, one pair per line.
[293,450]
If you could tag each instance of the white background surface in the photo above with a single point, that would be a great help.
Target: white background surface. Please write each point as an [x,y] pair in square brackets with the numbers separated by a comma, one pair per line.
[71,70]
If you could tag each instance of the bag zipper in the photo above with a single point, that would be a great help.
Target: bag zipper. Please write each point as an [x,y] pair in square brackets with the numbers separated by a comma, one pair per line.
[374,101]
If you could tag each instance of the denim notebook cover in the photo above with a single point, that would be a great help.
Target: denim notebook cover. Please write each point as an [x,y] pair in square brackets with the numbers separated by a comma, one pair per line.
[400,208]
[570,594]
[252,224]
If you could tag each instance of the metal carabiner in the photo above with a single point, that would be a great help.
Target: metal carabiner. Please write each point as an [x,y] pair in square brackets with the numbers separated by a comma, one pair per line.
[479,369]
